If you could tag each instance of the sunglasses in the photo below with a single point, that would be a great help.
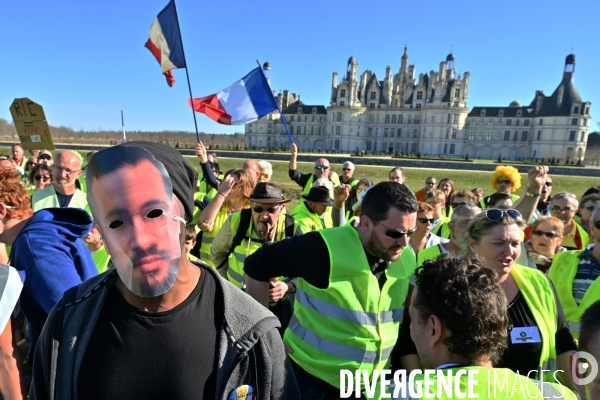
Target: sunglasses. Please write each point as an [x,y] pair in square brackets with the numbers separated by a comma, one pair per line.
[505,182]
[260,210]
[557,209]
[41,178]
[597,224]
[549,235]
[395,233]
[549,184]
[430,183]
[321,166]
[345,169]
[425,220]
[496,214]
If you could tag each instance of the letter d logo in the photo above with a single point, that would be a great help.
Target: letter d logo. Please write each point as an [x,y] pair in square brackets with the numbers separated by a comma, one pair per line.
[584,368]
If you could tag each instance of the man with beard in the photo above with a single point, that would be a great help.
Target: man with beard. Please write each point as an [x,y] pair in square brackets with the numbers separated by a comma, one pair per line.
[63,192]
[352,283]
[157,325]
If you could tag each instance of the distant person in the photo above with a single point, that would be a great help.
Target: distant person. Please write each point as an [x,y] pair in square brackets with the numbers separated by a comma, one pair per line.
[397,175]
[500,200]
[40,177]
[266,171]
[564,206]
[305,181]
[45,157]
[348,174]
[429,185]
[446,185]
[62,193]
[19,156]
[478,192]
[505,179]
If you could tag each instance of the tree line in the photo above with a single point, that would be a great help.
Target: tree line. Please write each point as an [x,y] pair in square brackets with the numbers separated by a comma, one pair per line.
[179,139]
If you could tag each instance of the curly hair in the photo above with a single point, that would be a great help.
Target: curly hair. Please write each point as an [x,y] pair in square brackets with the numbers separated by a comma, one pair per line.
[14,195]
[466,296]
[508,172]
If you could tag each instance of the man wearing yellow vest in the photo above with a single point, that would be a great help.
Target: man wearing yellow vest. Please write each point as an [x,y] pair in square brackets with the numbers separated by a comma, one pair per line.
[437,199]
[352,284]
[460,325]
[97,250]
[312,215]
[62,193]
[575,277]
[564,206]
[248,230]
[321,170]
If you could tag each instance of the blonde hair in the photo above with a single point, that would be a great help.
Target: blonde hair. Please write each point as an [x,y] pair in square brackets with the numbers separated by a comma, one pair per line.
[508,172]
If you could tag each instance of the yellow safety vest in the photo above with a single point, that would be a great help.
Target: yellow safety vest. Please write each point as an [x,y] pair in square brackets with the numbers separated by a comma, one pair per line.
[428,253]
[353,324]
[492,383]
[209,237]
[562,274]
[101,259]
[538,294]
[46,198]
[309,221]
[442,229]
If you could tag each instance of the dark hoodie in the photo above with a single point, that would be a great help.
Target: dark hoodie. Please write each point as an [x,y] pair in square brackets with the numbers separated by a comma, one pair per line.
[50,251]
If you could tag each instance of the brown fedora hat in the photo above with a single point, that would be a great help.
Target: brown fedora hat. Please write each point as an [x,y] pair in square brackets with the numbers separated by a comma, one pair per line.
[267,193]
[319,195]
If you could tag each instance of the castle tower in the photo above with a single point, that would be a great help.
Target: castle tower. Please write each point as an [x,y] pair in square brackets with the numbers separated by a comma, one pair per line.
[267,70]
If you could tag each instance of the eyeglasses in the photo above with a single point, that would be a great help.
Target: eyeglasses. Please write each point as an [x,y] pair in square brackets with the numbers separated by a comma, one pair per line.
[260,210]
[561,210]
[504,182]
[425,220]
[44,157]
[395,233]
[549,235]
[597,224]
[67,170]
[321,166]
[549,183]
[430,183]
[41,178]
[456,205]
[496,214]
[345,169]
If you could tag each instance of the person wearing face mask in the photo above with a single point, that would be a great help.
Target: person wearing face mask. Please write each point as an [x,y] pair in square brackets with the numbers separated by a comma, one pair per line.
[156,325]
[305,181]
[246,231]
[575,276]
[543,245]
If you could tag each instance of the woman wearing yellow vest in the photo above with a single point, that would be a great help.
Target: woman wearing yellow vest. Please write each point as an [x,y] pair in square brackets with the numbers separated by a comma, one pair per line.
[231,197]
[540,337]
[575,276]
[39,178]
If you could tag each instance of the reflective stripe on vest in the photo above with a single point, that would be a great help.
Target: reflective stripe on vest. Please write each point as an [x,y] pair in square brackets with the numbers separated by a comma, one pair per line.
[538,294]
[562,274]
[101,259]
[209,237]
[352,324]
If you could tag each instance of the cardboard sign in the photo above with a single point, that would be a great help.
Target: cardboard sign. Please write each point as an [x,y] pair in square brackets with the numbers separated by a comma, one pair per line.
[31,125]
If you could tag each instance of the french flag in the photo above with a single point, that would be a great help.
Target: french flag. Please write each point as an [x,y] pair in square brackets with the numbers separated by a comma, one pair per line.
[245,101]
[165,42]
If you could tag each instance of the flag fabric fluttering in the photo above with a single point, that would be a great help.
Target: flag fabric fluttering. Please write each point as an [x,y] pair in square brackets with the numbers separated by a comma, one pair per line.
[165,42]
[245,101]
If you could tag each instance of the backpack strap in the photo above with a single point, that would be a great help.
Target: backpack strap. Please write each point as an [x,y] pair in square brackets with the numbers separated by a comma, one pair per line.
[245,220]
[290,225]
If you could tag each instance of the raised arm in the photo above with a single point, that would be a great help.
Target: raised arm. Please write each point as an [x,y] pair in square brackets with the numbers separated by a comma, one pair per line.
[206,219]
[528,203]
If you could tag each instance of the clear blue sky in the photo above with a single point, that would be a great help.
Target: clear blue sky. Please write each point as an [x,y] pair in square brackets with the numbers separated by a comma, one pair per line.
[84,61]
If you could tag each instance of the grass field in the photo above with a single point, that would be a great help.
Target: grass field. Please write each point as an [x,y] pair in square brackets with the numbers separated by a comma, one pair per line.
[415,176]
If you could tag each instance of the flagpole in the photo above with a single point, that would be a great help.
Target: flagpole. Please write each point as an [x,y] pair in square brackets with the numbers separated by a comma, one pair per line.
[186,72]
[278,108]
[123,127]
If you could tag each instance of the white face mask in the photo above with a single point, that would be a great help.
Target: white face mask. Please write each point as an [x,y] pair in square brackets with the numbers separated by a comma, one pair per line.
[140,222]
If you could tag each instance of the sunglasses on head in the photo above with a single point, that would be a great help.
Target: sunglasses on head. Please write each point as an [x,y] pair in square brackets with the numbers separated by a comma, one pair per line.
[505,182]
[395,233]
[42,178]
[549,235]
[496,214]
[321,166]
[425,220]
[260,210]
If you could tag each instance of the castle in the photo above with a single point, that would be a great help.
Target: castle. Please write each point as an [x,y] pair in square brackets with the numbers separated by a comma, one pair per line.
[428,116]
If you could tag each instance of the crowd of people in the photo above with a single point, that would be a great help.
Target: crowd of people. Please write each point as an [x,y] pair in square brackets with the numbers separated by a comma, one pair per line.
[128,272]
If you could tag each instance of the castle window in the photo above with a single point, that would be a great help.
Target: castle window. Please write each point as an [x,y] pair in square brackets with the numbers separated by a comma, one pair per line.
[499,123]
[314,118]
[576,110]
[373,94]
[339,116]
[298,130]
[393,119]
[445,147]
[539,135]
[418,105]
[480,135]
[516,136]
[526,122]
[385,132]
[314,110]
[572,136]
[320,130]
[449,118]
[372,105]
[509,122]
[541,121]
[342,103]
[507,135]
[368,145]
[305,129]
[299,110]
[312,130]
[517,122]
[369,131]
[322,119]
[419,95]
[453,133]
[582,136]
[457,93]
[292,118]
[497,135]
[337,144]
[337,130]
[472,134]
[343,93]
[447,133]
[524,136]
[488,135]
[455,119]
[371,119]
[392,132]
[452,148]
[519,112]
[490,122]
[400,119]
[387,118]
[501,113]
[306,118]
[483,113]
[574,121]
